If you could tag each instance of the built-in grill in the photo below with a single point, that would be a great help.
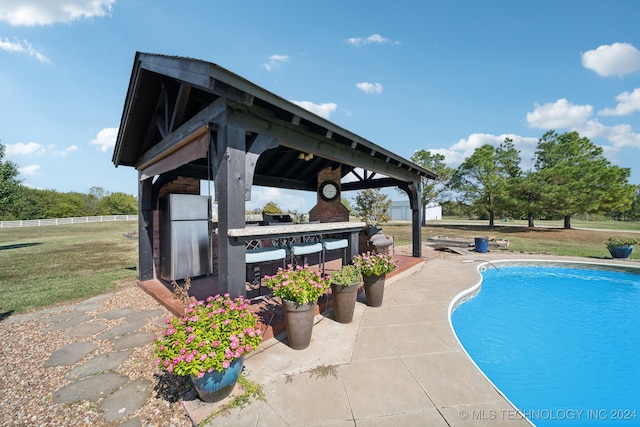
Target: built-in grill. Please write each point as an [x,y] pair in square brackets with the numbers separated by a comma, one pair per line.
[273,219]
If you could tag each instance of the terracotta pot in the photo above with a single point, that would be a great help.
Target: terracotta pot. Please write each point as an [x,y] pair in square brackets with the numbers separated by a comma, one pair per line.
[215,386]
[374,289]
[344,301]
[298,320]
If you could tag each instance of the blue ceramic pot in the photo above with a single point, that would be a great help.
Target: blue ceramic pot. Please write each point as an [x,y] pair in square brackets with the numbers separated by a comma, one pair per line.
[621,251]
[214,386]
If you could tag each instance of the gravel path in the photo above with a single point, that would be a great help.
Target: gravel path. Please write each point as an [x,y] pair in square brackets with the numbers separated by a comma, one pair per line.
[29,383]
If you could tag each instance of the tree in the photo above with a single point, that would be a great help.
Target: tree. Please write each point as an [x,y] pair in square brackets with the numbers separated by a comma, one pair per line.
[27,205]
[64,205]
[271,208]
[372,206]
[484,179]
[433,190]
[42,204]
[529,192]
[633,213]
[9,184]
[577,178]
[91,200]
[345,202]
[117,204]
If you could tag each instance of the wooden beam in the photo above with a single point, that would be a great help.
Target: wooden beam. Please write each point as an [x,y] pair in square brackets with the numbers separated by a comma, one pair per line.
[180,105]
[372,183]
[292,184]
[193,128]
[259,145]
[264,122]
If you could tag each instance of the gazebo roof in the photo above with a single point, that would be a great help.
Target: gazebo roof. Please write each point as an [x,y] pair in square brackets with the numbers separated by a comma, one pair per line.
[170,99]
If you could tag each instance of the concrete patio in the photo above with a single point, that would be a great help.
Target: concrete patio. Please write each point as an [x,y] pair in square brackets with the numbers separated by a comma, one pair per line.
[399,364]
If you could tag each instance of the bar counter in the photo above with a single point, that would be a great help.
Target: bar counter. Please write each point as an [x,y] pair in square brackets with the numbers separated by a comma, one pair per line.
[294,230]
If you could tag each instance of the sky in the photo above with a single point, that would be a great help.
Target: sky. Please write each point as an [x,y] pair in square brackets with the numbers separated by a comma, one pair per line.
[446,76]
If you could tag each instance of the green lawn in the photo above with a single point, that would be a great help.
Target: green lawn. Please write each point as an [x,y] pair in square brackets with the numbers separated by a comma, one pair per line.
[41,266]
[545,238]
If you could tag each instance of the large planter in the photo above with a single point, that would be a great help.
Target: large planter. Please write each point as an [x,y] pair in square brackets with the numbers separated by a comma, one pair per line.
[374,289]
[298,320]
[621,251]
[344,301]
[215,386]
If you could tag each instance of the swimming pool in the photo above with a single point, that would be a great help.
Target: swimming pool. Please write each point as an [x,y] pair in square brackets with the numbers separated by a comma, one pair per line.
[561,341]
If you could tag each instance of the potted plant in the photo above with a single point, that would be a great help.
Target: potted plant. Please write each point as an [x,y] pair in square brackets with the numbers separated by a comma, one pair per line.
[299,288]
[620,247]
[344,291]
[209,344]
[374,268]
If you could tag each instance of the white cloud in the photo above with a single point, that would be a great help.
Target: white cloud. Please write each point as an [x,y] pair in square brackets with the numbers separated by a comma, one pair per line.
[29,170]
[623,136]
[464,148]
[373,38]
[451,157]
[64,151]
[560,114]
[22,46]
[22,149]
[461,150]
[563,114]
[275,61]
[616,59]
[46,12]
[628,103]
[620,136]
[323,110]
[106,139]
[375,88]
[592,129]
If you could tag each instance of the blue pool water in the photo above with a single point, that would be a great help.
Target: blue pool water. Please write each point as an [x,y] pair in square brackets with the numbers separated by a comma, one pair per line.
[562,343]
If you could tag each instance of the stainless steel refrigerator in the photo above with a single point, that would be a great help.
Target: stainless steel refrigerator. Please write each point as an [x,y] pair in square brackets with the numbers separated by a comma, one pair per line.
[184,236]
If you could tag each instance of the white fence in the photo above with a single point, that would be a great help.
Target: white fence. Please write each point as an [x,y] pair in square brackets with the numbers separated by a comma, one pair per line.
[64,221]
[87,219]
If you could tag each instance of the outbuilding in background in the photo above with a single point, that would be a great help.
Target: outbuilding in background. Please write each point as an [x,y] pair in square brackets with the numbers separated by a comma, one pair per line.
[401,211]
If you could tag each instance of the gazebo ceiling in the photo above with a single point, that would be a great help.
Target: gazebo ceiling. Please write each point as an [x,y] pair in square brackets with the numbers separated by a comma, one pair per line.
[170,98]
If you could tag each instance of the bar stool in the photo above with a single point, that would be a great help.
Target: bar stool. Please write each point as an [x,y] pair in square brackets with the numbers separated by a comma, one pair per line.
[262,255]
[332,245]
[303,249]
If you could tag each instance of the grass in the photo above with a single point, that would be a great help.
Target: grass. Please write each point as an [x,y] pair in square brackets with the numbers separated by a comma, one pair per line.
[49,265]
[545,238]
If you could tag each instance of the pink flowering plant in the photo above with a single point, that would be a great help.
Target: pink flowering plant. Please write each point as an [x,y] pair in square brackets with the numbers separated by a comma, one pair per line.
[298,284]
[210,335]
[374,264]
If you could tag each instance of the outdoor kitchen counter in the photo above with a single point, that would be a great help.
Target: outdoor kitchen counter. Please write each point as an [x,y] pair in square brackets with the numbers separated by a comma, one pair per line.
[293,230]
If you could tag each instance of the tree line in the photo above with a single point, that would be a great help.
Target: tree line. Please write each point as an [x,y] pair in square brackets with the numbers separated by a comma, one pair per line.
[570,176]
[20,202]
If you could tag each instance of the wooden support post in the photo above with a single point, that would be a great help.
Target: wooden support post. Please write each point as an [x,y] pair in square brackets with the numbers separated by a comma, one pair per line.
[413,190]
[230,192]
[416,233]
[145,229]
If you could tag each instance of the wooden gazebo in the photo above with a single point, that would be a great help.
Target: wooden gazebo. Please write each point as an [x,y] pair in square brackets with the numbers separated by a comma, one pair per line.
[185,117]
